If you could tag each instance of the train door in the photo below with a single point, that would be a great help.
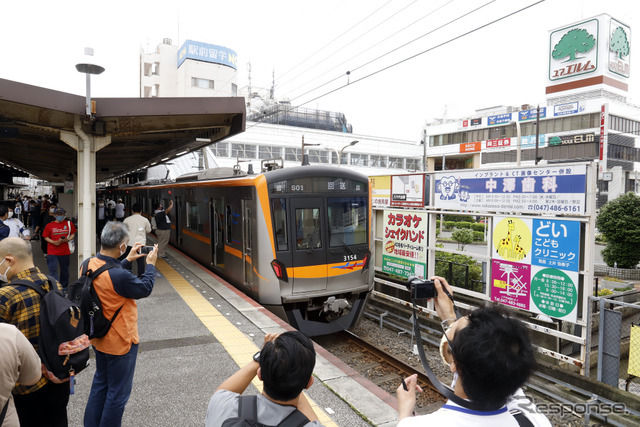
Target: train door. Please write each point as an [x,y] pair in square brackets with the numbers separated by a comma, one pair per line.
[309,249]
[178,209]
[247,251]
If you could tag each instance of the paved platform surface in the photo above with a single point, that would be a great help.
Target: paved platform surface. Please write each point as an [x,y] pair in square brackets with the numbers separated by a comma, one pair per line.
[195,331]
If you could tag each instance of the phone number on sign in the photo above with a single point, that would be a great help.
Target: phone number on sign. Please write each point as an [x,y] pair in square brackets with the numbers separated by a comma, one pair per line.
[554,208]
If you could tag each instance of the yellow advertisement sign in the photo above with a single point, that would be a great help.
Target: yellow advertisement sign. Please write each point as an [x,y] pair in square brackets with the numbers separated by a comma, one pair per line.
[380,190]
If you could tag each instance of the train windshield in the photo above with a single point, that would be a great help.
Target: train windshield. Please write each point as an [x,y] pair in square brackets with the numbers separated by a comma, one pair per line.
[347,219]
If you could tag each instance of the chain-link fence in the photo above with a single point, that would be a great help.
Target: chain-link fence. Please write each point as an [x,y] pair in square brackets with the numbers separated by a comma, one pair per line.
[613,355]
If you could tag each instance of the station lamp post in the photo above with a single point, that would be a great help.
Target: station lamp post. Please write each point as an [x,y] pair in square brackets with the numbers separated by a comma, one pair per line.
[88,68]
[86,145]
[351,144]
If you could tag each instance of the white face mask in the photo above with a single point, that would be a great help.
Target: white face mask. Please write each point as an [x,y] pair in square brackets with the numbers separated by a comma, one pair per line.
[123,251]
[3,277]
[10,214]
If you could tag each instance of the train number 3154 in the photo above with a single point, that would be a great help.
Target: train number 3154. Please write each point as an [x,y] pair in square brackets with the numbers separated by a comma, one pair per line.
[350,257]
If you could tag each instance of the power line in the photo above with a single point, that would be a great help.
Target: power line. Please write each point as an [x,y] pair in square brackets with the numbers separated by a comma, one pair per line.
[336,38]
[376,44]
[375,26]
[398,48]
[424,51]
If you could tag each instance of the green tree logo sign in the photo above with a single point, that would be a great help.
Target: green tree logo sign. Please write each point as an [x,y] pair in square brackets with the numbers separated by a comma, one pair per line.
[619,42]
[574,42]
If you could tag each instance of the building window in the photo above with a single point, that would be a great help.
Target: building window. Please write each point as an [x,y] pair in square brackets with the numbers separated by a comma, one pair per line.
[245,151]
[155,91]
[293,154]
[234,89]
[412,164]
[220,149]
[266,152]
[396,162]
[318,156]
[201,83]
[155,69]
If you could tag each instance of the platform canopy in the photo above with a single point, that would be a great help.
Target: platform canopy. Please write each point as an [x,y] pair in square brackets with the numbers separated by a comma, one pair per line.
[143,131]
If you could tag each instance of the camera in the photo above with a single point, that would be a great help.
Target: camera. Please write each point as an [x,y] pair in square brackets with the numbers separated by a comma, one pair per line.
[145,250]
[420,288]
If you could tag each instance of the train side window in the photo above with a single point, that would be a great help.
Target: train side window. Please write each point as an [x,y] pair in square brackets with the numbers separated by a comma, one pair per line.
[308,230]
[192,216]
[279,213]
[347,218]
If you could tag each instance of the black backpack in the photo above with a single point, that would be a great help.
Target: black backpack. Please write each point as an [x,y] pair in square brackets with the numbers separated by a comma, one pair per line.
[83,294]
[62,344]
[248,413]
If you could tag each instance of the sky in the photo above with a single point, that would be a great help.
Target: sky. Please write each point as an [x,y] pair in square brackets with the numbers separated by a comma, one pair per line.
[310,46]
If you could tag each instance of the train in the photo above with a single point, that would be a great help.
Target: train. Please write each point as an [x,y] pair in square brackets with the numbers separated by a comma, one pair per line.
[297,240]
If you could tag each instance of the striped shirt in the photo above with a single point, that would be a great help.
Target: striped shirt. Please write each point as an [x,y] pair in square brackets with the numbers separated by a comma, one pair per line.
[20,306]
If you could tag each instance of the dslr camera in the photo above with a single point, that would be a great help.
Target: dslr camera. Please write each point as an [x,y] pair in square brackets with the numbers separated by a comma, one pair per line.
[421,288]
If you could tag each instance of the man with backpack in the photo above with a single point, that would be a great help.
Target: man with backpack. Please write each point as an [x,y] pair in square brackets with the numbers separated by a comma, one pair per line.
[116,352]
[45,403]
[285,366]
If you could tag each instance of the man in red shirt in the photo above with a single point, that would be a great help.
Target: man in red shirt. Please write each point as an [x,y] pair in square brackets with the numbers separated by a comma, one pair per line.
[58,234]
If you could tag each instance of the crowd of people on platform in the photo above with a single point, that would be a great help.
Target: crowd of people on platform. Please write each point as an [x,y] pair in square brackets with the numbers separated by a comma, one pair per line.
[488,377]
[29,397]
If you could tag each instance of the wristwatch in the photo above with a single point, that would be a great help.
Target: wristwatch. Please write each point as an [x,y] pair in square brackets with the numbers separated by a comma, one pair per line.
[256,357]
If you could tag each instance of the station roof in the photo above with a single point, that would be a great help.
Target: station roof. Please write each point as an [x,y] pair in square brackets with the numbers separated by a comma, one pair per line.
[143,131]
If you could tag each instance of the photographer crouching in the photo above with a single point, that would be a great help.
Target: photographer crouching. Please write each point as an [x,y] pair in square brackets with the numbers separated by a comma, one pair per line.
[491,357]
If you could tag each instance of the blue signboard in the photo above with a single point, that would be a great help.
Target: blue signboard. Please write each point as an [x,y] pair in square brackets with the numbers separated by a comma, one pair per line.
[565,109]
[556,244]
[530,141]
[499,119]
[208,53]
[531,114]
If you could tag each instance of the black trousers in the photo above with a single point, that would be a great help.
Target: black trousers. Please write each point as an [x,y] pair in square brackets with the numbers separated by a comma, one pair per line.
[46,407]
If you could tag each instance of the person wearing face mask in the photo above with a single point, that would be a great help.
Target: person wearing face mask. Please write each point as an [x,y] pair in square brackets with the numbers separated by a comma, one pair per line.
[48,217]
[4,228]
[103,215]
[45,402]
[16,227]
[58,234]
[491,357]
[117,351]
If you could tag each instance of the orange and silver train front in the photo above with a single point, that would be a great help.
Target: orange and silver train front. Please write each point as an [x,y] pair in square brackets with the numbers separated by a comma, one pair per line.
[321,228]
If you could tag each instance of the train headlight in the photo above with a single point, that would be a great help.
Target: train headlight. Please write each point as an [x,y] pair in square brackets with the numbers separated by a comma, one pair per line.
[280,270]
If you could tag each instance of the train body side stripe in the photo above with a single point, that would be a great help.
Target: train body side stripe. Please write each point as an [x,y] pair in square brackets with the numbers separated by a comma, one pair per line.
[190,233]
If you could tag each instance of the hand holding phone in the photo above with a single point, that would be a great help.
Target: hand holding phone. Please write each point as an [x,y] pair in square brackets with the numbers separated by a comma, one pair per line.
[144,250]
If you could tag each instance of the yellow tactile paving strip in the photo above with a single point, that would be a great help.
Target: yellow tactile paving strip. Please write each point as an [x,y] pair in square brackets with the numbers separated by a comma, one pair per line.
[239,346]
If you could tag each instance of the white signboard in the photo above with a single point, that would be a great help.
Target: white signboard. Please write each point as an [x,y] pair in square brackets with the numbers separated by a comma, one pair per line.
[556,189]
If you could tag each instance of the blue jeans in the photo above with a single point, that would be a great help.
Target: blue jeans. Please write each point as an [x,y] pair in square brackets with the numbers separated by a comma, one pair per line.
[63,260]
[111,388]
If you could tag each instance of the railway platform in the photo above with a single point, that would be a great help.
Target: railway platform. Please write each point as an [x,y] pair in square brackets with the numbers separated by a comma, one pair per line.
[195,331]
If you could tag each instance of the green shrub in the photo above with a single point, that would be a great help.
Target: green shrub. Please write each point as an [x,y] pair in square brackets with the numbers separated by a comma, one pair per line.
[458,263]
[463,236]
[449,225]
[458,218]
[604,292]
[478,236]
[463,224]
[477,227]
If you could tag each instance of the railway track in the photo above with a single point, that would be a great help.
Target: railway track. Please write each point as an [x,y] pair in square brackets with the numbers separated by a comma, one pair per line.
[380,367]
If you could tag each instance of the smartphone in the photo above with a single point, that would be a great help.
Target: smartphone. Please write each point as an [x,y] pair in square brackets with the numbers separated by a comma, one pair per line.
[145,249]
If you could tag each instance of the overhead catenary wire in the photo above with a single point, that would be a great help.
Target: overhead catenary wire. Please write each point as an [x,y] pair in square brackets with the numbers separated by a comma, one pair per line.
[336,38]
[375,26]
[420,53]
[398,48]
[375,45]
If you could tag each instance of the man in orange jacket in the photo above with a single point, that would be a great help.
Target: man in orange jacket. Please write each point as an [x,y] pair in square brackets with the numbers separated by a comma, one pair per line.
[117,351]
